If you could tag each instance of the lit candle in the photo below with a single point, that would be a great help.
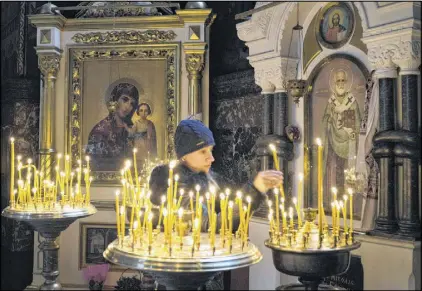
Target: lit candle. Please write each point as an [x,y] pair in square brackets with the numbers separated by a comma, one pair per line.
[248,215]
[333,210]
[117,213]
[338,209]
[163,200]
[277,166]
[223,215]
[277,212]
[180,212]
[343,208]
[135,150]
[135,227]
[179,202]
[150,229]
[207,197]
[122,222]
[320,206]
[291,217]
[345,213]
[284,219]
[12,170]
[230,224]
[299,219]
[191,205]
[166,224]
[300,192]
[176,179]
[350,191]
[197,188]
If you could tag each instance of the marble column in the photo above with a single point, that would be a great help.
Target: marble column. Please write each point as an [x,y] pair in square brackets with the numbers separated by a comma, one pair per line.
[267,129]
[408,153]
[195,63]
[383,152]
[48,63]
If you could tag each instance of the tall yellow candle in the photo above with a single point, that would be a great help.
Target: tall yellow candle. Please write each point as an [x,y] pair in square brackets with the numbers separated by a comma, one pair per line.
[12,170]
[277,212]
[19,157]
[191,206]
[230,223]
[291,217]
[334,208]
[179,202]
[345,213]
[248,214]
[299,219]
[275,158]
[135,150]
[197,188]
[334,216]
[350,191]
[300,192]
[117,213]
[122,221]
[343,208]
[176,180]
[223,215]
[207,197]
[320,206]
[150,229]
[163,200]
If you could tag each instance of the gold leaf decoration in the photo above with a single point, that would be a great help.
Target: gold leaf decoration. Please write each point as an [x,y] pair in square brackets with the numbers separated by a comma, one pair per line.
[124,37]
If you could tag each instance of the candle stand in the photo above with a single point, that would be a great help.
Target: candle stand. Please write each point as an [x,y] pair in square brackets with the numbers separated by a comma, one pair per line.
[308,258]
[182,269]
[50,223]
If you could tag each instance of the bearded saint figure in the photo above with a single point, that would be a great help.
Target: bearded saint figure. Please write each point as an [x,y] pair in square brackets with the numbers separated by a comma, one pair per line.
[341,125]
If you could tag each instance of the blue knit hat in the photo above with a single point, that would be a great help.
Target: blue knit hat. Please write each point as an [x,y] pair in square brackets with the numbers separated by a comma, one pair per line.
[191,135]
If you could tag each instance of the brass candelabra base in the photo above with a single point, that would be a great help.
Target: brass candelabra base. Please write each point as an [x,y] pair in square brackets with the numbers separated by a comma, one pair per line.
[311,265]
[49,224]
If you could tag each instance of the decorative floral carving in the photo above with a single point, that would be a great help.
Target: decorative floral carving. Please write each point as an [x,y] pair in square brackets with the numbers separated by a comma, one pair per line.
[194,63]
[101,11]
[264,20]
[49,64]
[404,53]
[81,55]
[276,73]
[131,37]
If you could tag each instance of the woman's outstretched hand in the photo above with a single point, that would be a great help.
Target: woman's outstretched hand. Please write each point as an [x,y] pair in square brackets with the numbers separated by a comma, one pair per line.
[266,180]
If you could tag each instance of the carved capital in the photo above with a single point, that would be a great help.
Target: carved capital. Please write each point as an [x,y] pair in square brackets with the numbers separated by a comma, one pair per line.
[272,74]
[49,64]
[194,63]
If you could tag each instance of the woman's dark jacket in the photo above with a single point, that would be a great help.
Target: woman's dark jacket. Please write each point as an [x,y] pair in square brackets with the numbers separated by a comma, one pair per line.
[188,179]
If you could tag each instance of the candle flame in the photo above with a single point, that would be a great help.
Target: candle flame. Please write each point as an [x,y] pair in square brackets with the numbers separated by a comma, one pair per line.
[128,163]
[150,217]
[212,189]
[176,177]
[67,157]
[275,190]
[270,203]
[350,191]
[345,197]
[300,177]
[59,156]
[19,157]
[180,212]
[334,190]
[201,199]
[172,164]
[79,162]
[190,194]
[163,199]
[294,200]
[181,191]
[117,193]
[227,191]
[87,158]
[207,196]
[291,212]
[272,147]
[341,204]
[197,188]
[222,196]
[239,194]
[29,161]
[12,139]
[270,217]
[135,150]
[319,142]
[249,199]
[135,225]
[231,204]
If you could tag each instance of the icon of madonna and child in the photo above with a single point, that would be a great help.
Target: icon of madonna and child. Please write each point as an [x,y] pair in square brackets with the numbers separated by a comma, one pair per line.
[112,139]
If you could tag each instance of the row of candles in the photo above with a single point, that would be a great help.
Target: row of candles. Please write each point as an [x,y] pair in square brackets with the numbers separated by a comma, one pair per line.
[171,213]
[37,191]
[288,231]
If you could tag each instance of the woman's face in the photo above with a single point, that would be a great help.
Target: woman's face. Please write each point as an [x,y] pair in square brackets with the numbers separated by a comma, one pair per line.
[143,111]
[200,160]
[125,106]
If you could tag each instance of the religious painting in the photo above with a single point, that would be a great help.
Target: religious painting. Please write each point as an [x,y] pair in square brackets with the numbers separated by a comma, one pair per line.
[335,112]
[122,100]
[336,24]
[94,239]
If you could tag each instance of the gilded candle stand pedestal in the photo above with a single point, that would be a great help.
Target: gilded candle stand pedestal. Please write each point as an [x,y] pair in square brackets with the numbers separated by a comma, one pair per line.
[181,270]
[50,224]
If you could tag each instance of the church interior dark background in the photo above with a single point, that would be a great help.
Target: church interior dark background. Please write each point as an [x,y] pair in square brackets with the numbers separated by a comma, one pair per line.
[234,117]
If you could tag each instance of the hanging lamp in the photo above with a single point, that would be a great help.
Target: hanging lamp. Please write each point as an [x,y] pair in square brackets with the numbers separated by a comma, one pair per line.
[296,87]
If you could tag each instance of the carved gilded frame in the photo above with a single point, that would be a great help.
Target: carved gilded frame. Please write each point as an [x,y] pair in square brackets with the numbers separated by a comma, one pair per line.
[78,55]
[310,149]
